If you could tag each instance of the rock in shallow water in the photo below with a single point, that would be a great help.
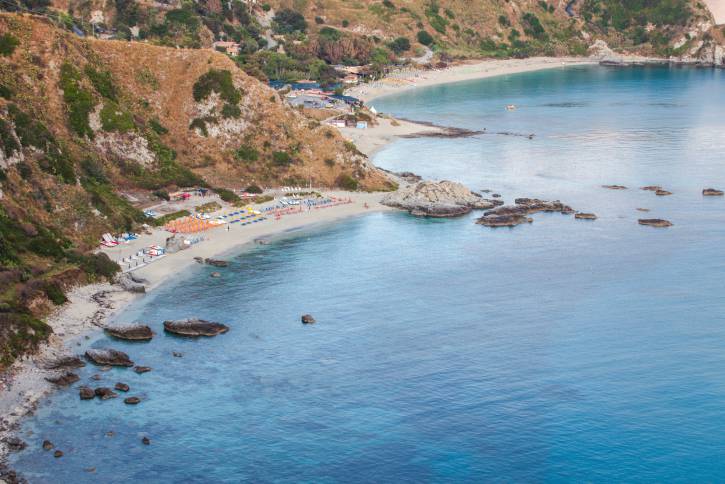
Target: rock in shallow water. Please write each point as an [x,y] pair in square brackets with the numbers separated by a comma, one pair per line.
[121,387]
[64,362]
[712,192]
[132,400]
[108,357]
[662,193]
[134,332]
[195,327]
[585,216]
[655,222]
[141,369]
[438,199]
[308,319]
[105,393]
[86,393]
[57,454]
[512,215]
[216,262]
[504,220]
[614,187]
[47,445]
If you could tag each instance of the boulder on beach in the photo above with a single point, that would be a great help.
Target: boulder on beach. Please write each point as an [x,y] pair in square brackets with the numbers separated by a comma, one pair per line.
[128,283]
[216,262]
[614,187]
[108,357]
[86,393]
[585,216]
[64,362]
[438,199]
[194,327]
[134,332]
[662,193]
[655,222]
[105,393]
[14,444]
[64,379]
[308,319]
[712,192]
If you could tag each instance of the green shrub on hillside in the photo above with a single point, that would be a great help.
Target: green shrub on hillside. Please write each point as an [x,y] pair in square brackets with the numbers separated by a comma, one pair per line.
[254,189]
[158,128]
[231,111]
[6,92]
[54,293]
[281,158]
[399,45]
[158,222]
[8,43]
[227,195]
[425,38]
[79,100]
[246,153]
[9,144]
[58,163]
[30,131]
[219,81]
[94,264]
[113,118]
[346,182]
[102,82]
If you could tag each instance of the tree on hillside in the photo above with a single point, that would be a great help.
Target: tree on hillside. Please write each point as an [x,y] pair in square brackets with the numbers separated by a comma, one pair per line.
[287,21]
[399,45]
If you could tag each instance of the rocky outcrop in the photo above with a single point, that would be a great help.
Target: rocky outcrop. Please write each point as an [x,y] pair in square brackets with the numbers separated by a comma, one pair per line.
[712,192]
[195,327]
[127,282]
[64,379]
[176,243]
[108,357]
[655,222]
[308,319]
[135,332]
[511,220]
[105,393]
[64,362]
[512,215]
[438,199]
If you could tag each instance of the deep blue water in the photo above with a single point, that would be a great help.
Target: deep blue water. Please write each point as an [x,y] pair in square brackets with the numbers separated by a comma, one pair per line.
[445,351]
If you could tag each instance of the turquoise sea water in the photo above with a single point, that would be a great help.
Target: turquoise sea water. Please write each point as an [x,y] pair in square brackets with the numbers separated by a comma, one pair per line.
[445,351]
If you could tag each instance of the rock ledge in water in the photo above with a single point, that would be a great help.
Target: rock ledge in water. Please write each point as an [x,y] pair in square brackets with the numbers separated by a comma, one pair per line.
[512,215]
[108,357]
[655,222]
[712,192]
[195,327]
[438,199]
[135,332]
[64,379]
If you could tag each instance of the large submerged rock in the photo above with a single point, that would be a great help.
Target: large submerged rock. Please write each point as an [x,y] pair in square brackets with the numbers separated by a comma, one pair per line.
[134,332]
[108,357]
[512,215]
[438,199]
[195,327]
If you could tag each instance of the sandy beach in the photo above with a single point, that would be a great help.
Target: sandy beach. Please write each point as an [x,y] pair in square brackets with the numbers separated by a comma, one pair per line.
[92,307]
[409,79]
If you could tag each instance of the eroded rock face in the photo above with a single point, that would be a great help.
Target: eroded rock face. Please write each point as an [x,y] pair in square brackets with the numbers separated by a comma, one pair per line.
[655,222]
[195,327]
[108,357]
[712,192]
[134,332]
[438,199]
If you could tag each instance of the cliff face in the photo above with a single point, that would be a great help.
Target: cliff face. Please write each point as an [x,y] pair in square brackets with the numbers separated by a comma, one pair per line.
[85,123]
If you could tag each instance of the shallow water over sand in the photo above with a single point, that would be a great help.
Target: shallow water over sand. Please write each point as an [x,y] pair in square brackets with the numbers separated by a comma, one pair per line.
[444,351]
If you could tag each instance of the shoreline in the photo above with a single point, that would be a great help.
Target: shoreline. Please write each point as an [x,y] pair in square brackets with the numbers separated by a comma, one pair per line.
[402,81]
[91,307]
[23,385]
